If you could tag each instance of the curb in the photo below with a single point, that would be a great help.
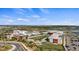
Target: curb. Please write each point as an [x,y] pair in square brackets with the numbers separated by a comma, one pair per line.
[25,46]
[65,48]
[13,48]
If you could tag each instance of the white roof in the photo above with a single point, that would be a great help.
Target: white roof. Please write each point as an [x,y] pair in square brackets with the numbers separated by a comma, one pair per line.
[19,32]
[54,31]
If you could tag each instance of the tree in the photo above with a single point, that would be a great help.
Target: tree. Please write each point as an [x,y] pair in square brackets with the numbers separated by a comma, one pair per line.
[3,38]
[47,39]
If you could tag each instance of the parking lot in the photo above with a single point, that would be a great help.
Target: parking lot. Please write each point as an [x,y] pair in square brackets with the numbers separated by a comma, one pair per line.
[73,45]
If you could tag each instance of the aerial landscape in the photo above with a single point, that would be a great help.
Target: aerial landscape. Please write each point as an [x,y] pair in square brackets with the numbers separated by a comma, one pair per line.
[39,29]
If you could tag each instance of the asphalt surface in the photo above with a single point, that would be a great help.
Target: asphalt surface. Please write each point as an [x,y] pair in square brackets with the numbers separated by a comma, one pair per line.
[19,47]
[72,46]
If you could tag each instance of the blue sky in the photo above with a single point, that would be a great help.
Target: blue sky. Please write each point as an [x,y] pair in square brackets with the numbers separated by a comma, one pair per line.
[39,16]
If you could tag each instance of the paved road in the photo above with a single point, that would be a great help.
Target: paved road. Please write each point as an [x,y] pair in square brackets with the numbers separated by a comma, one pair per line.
[19,47]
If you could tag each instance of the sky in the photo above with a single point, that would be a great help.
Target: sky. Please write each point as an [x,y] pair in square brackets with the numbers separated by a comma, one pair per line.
[39,16]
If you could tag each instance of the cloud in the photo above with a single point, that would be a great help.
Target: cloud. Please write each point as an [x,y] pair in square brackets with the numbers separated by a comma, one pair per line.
[69,21]
[28,16]
[46,21]
[36,16]
[44,10]
[23,19]
[33,16]
[6,16]
[42,19]
[9,22]
[20,11]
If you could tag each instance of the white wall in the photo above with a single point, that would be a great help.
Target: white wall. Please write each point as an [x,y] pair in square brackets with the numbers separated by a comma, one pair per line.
[60,40]
[50,39]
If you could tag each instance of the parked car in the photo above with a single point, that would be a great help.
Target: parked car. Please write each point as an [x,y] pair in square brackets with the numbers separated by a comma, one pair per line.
[74,48]
[73,44]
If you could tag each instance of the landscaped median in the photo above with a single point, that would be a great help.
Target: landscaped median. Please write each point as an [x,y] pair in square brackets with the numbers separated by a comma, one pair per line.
[13,46]
[6,47]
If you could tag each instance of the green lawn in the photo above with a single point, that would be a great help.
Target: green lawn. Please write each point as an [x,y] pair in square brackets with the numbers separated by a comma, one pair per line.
[5,47]
[49,47]
[39,38]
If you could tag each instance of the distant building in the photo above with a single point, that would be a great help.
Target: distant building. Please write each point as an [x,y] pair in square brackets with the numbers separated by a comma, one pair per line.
[55,37]
[35,33]
[18,34]
[21,34]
